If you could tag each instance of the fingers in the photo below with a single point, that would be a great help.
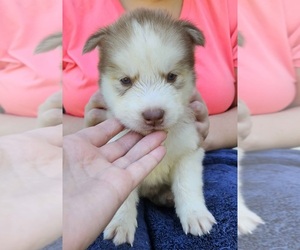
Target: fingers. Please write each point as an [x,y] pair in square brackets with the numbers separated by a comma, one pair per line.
[243,111]
[142,167]
[198,106]
[101,133]
[96,101]
[51,117]
[244,120]
[52,102]
[114,150]
[244,129]
[200,111]
[201,115]
[196,96]
[146,145]
[50,112]
[94,117]
[95,110]
[202,129]
[2,111]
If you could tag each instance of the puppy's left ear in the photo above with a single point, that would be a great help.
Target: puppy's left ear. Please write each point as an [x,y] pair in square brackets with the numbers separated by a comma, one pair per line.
[49,43]
[94,40]
[195,34]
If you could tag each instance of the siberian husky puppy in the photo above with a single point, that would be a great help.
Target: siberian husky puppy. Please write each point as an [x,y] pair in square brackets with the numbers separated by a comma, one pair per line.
[147,79]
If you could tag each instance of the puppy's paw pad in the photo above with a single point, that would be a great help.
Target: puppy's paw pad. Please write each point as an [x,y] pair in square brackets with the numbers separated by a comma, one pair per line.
[247,221]
[120,232]
[198,222]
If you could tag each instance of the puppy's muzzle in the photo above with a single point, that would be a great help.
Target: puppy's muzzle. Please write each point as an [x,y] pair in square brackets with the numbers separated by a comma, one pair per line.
[153,117]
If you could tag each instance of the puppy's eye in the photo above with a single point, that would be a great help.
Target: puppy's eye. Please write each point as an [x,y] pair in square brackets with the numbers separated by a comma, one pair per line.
[126,81]
[171,77]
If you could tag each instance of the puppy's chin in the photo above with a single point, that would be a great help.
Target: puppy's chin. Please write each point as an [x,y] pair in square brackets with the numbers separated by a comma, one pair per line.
[148,130]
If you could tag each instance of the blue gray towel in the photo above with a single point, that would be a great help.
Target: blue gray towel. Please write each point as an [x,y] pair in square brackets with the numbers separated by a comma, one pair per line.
[159,228]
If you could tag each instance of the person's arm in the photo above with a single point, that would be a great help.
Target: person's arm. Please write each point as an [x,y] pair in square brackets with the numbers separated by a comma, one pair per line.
[277,130]
[12,124]
[49,114]
[223,127]
[222,131]
[98,177]
[31,188]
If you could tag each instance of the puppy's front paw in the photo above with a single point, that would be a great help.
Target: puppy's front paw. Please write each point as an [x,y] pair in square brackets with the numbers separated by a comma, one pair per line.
[247,220]
[121,231]
[197,221]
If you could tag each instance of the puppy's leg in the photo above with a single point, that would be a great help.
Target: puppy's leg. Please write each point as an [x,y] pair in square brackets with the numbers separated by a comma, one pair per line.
[123,225]
[247,220]
[189,199]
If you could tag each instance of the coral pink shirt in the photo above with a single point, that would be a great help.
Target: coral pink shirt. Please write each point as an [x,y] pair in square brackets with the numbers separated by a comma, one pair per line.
[271,51]
[214,64]
[27,79]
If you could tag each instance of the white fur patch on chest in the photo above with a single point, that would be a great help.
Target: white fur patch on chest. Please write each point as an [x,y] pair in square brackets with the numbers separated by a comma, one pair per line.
[182,140]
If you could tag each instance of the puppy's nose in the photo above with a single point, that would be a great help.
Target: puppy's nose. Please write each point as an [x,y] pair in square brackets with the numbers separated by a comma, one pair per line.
[153,117]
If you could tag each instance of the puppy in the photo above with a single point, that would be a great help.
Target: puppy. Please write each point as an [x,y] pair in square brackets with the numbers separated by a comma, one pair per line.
[147,79]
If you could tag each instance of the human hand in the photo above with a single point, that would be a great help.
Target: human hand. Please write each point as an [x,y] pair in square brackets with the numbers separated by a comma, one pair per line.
[31,189]
[95,111]
[201,114]
[50,112]
[2,111]
[244,122]
[98,177]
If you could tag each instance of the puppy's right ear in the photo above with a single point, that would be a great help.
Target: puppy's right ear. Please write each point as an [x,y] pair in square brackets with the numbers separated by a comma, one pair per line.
[195,34]
[94,40]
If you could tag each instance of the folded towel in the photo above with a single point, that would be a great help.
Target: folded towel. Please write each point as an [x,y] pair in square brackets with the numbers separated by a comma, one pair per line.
[159,227]
[271,186]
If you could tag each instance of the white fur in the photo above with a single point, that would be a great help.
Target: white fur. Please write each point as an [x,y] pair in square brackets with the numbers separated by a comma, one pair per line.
[150,92]
[182,168]
[247,220]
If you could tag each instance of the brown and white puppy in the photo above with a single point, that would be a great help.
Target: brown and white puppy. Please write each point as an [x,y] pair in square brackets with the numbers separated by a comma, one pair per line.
[147,79]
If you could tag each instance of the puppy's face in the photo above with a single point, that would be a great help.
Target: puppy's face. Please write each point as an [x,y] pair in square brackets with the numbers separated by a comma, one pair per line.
[147,68]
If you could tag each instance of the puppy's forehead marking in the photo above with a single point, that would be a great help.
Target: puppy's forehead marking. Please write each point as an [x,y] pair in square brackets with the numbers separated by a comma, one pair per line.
[148,49]
[146,43]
